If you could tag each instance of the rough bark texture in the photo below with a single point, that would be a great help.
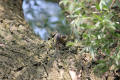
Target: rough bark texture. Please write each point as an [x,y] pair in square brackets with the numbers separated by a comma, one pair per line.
[23,56]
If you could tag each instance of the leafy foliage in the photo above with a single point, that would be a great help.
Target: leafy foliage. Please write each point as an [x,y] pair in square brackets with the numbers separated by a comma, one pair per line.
[99,26]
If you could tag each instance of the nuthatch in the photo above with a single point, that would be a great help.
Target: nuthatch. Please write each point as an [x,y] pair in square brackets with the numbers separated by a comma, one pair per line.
[60,40]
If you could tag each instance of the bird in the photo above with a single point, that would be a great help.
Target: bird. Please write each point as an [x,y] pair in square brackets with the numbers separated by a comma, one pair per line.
[45,17]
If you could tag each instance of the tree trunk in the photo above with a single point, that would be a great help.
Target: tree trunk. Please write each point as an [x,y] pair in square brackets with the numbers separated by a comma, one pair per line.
[23,56]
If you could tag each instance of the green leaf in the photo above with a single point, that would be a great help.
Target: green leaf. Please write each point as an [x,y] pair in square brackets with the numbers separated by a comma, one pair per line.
[69,43]
[105,4]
